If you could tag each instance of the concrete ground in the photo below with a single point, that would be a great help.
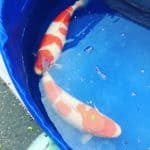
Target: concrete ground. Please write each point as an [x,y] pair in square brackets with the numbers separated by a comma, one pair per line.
[17,128]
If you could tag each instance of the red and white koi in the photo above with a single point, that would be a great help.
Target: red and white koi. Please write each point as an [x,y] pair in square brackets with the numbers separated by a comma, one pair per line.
[78,114]
[54,38]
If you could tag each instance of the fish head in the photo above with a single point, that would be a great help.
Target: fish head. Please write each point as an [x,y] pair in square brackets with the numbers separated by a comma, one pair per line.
[43,62]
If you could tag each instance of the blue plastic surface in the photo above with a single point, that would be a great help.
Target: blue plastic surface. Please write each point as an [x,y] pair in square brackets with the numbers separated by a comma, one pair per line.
[107,57]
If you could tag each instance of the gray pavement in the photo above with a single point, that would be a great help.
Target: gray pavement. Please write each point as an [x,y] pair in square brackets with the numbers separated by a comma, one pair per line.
[17,128]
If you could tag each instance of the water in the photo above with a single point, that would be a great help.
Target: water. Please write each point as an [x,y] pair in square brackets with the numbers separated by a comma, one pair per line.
[109,68]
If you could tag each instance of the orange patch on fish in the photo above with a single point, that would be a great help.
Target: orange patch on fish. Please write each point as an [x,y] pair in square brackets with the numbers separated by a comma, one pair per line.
[44,57]
[95,123]
[64,17]
[52,90]
[70,9]
[110,129]
[63,108]
[49,39]
[63,30]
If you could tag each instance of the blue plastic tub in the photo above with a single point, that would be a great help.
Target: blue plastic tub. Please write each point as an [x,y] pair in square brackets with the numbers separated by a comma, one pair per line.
[109,52]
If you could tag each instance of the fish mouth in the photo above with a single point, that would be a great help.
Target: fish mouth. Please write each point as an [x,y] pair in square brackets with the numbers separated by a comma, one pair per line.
[38,71]
[117,132]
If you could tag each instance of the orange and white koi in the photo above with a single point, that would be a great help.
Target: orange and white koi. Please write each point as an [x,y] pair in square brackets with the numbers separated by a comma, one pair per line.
[54,38]
[78,114]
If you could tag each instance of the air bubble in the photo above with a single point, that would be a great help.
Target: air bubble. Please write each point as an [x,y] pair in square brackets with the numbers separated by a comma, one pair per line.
[89,49]
[100,73]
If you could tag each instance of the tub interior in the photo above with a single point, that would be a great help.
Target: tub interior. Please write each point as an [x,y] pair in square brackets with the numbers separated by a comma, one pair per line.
[105,63]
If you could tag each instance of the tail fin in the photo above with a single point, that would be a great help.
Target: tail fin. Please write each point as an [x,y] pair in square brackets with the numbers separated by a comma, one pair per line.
[81,3]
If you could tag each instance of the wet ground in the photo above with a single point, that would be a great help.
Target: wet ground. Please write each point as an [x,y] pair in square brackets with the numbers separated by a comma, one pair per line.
[17,128]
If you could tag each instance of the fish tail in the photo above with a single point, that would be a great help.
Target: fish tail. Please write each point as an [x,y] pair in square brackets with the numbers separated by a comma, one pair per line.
[81,3]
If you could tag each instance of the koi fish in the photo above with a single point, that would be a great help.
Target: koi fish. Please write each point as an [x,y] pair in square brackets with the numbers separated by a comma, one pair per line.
[54,38]
[78,114]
